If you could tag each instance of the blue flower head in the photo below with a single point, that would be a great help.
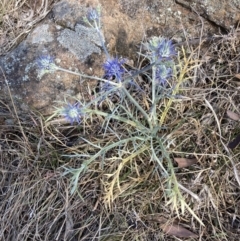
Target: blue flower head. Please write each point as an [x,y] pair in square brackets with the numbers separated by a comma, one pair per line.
[46,65]
[161,49]
[162,74]
[113,68]
[72,112]
[93,14]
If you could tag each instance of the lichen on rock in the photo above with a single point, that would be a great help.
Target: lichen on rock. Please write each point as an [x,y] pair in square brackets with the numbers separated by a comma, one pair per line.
[82,42]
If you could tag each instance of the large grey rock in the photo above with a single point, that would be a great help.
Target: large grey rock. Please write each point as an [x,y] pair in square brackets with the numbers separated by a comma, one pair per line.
[82,42]
[72,49]
[225,13]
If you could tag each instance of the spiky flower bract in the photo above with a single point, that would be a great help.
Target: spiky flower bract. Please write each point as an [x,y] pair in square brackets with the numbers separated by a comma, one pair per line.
[46,65]
[161,49]
[113,69]
[72,113]
[162,74]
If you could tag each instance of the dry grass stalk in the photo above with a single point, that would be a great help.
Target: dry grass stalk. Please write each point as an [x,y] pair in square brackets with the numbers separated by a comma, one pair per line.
[17,18]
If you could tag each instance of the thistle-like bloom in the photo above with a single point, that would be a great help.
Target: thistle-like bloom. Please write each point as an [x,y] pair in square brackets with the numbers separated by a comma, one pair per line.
[46,65]
[162,74]
[161,49]
[72,113]
[93,14]
[113,69]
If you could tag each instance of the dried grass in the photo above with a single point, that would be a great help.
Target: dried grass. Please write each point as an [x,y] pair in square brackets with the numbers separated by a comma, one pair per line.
[17,18]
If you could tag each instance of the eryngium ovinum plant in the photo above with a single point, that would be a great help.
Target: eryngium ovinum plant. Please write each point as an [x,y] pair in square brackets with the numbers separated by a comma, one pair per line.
[165,73]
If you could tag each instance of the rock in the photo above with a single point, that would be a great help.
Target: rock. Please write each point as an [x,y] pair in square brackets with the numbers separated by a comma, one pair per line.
[82,42]
[73,45]
[223,13]
[68,13]
[70,49]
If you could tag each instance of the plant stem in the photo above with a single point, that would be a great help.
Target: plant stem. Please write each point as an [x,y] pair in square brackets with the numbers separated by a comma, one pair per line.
[86,76]
[101,40]
[153,110]
[138,106]
[132,123]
